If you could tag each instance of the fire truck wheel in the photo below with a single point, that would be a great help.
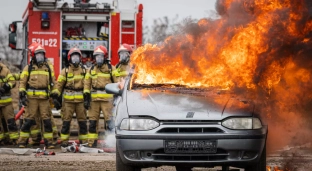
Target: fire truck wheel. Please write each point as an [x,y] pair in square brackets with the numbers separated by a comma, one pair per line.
[120,166]
[261,165]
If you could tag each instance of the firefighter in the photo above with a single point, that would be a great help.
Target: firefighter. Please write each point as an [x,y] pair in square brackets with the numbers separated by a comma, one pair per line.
[124,53]
[70,83]
[96,78]
[7,82]
[35,130]
[36,82]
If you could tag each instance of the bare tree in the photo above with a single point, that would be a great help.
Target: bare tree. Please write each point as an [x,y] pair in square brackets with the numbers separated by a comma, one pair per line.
[161,28]
[6,53]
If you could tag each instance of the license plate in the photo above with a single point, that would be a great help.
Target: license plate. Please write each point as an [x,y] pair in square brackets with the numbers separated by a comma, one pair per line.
[190,146]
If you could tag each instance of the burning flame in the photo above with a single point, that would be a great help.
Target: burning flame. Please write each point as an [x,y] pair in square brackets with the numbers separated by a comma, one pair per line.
[275,168]
[259,46]
[237,50]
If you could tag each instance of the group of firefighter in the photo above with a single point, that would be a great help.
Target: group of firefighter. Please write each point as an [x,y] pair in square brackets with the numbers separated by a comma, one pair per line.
[77,91]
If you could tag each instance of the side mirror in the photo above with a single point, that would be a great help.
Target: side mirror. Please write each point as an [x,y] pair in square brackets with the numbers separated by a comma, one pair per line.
[113,88]
[12,40]
[16,35]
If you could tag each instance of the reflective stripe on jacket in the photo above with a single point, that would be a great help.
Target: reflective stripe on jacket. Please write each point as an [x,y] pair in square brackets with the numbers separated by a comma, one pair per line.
[6,77]
[96,80]
[38,81]
[72,85]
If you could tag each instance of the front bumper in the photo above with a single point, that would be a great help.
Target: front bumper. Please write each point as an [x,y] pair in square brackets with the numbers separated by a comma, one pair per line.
[234,148]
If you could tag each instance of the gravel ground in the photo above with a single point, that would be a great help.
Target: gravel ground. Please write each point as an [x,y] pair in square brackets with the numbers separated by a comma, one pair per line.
[292,159]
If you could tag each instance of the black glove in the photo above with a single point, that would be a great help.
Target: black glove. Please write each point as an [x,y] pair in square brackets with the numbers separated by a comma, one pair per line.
[86,100]
[57,104]
[2,91]
[23,98]
[54,95]
[6,87]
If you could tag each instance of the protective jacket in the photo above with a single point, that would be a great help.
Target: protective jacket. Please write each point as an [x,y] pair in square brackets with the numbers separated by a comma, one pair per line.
[122,70]
[6,77]
[96,80]
[71,80]
[37,81]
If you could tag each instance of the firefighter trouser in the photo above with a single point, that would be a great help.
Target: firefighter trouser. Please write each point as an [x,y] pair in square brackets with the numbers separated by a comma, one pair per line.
[94,116]
[35,130]
[69,109]
[8,124]
[35,106]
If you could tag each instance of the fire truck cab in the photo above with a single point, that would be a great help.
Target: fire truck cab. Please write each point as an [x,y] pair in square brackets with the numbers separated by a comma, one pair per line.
[59,26]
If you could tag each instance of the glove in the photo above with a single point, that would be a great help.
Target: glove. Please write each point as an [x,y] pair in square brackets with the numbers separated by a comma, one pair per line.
[86,100]
[54,95]
[2,91]
[57,104]
[23,98]
[6,87]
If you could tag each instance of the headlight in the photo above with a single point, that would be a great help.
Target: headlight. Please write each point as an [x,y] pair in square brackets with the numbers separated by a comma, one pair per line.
[138,124]
[242,123]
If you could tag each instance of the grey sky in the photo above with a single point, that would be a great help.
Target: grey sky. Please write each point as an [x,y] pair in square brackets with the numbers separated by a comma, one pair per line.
[12,10]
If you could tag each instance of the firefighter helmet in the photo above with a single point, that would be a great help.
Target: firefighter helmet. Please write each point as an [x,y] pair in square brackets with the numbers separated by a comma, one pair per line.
[100,50]
[100,55]
[39,54]
[125,47]
[74,56]
[39,49]
[72,51]
[32,47]
[124,53]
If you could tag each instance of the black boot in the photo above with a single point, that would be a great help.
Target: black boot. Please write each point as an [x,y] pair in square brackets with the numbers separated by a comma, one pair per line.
[94,145]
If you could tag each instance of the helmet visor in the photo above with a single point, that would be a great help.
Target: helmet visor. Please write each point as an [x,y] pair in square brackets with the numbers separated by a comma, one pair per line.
[99,59]
[39,57]
[75,58]
[124,57]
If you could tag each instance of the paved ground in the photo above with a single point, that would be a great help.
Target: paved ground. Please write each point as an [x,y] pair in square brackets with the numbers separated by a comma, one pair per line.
[290,159]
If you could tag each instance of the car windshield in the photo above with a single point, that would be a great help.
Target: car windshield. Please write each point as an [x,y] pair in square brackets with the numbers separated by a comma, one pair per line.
[179,89]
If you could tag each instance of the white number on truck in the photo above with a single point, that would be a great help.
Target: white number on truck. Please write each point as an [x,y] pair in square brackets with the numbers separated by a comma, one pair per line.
[44,42]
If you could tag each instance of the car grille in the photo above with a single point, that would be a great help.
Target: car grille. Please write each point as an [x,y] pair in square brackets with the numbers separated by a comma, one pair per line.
[171,122]
[190,130]
[220,155]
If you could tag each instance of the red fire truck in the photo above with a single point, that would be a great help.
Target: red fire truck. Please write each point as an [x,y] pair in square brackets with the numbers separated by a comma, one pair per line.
[60,25]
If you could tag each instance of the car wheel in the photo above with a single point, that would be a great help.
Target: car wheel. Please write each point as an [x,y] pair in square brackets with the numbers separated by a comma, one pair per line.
[120,166]
[180,168]
[261,165]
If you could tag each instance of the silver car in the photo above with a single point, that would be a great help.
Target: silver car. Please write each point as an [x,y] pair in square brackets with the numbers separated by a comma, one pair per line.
[184,127]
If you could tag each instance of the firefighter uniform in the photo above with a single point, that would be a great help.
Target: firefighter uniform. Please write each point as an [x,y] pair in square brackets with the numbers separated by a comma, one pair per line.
[37,79]
[124,53]
[35,130]
[71,80]
[95,81]
[7,82]
[122,70]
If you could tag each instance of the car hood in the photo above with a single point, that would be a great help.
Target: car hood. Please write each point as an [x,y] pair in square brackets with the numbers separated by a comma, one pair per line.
[172,106]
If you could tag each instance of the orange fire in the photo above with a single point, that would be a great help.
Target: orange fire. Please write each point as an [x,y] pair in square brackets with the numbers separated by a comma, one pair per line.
[275,168]
[259,46]
[224,55]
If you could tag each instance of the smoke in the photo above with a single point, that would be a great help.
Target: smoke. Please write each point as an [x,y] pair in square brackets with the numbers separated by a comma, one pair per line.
[110,140]
[259,47]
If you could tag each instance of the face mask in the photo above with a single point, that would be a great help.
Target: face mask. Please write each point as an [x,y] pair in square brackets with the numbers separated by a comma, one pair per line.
[124,57]
[99,59]
[75,60]
[39,58]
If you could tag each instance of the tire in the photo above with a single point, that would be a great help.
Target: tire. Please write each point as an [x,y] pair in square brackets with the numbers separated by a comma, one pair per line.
[120,166]
[180,168]
[261,165]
